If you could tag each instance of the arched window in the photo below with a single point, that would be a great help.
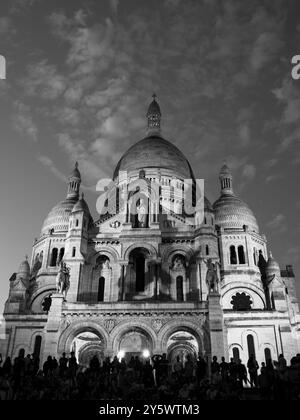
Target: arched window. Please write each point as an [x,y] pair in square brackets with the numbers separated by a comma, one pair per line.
[77,222]
[140,273]
[205,220]
[241,302]
[273,301]
[101,287]
[207,250]
[268,354]
[53,259]
[61,254]
[179,288]
[241,253]
[236,354]
[73,252]
[251,346]
[254,256]
[37,346]
[233,257]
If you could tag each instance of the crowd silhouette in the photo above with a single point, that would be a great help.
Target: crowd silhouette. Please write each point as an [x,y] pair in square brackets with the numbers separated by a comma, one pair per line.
[148,379]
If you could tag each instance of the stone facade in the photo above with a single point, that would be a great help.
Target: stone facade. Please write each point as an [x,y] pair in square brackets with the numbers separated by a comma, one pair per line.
[158,280]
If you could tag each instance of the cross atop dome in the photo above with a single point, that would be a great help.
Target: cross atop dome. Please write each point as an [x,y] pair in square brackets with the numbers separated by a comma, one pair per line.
[154,116]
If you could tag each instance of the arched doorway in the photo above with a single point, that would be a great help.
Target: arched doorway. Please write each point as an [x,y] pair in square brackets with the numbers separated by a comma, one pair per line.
[135,342]
[138,276]
[179,288]
[182,344]
[101,287]
[87,345]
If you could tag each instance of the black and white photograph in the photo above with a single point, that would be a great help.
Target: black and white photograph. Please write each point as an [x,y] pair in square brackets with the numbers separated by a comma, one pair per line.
[149,218]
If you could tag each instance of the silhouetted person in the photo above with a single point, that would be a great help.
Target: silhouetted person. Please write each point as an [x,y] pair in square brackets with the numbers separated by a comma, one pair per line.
[253,367]
[201,369]
[224,368]
[73,364]
[241,373]
[63,364]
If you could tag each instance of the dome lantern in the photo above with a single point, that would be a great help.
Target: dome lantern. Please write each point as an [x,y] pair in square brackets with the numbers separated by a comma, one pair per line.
[74,183]
[154,117]
[226,180]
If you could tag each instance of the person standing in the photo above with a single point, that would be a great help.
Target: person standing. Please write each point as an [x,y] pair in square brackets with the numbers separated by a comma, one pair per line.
[253,367]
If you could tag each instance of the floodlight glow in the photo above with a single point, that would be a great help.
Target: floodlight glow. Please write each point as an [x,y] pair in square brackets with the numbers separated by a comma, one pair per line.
[121,354]
[146,354]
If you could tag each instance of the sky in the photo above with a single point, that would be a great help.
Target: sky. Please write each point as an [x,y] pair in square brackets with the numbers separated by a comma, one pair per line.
[80,76]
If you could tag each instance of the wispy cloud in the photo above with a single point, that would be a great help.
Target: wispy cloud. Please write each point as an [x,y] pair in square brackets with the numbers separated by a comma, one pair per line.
[23,122]
[277,224]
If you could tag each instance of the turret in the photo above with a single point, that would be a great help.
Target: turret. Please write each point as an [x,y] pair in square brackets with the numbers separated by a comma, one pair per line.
[74,183]
[19,282]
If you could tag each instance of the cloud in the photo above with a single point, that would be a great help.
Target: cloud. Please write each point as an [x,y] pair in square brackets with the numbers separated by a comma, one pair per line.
[244,135]
[6,26]
[23,122]
[273,177]
[44,81]
[289,95]
[249,172]
[114,4]
[266,48]
[46,161]
[277,224]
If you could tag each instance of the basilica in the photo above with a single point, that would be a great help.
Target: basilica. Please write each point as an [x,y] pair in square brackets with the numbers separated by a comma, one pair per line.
[150,277]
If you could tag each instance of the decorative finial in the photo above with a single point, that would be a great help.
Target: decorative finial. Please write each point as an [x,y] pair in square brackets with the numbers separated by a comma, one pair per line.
[26,257]
[154,96]
[76,165]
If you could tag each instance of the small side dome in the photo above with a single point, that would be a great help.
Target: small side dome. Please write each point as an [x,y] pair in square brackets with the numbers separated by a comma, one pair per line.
[230,211]
[272,266]
[81,206]
[24,268]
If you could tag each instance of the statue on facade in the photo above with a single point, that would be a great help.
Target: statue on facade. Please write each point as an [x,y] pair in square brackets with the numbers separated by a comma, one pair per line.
[212,278]
[178,263]
[63,280]
[142,214]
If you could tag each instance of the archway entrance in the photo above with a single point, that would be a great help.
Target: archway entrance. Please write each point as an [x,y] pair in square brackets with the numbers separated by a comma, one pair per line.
[182,344]
[135,343]
[87,345]
[138,275]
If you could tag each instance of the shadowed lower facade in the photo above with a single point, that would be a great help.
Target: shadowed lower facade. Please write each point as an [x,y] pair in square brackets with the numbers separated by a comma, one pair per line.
[156,280]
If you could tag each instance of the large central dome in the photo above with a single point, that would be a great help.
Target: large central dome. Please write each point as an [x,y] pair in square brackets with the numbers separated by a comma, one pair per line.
[154,152]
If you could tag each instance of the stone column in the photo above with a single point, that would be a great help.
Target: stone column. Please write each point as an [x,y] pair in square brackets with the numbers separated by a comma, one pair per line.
[199,283]
[53,327]
[218,337]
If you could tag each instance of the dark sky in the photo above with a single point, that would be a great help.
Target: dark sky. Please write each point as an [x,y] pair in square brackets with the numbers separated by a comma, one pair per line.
[80,75]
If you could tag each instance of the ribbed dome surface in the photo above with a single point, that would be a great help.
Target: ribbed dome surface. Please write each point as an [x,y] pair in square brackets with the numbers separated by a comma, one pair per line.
[155,152]
[58,218]
[232,212]
[24,268]
[272,266]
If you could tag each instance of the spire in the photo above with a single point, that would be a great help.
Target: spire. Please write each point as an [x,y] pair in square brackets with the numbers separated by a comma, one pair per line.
[226,180]
[154,117]
[74,183]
